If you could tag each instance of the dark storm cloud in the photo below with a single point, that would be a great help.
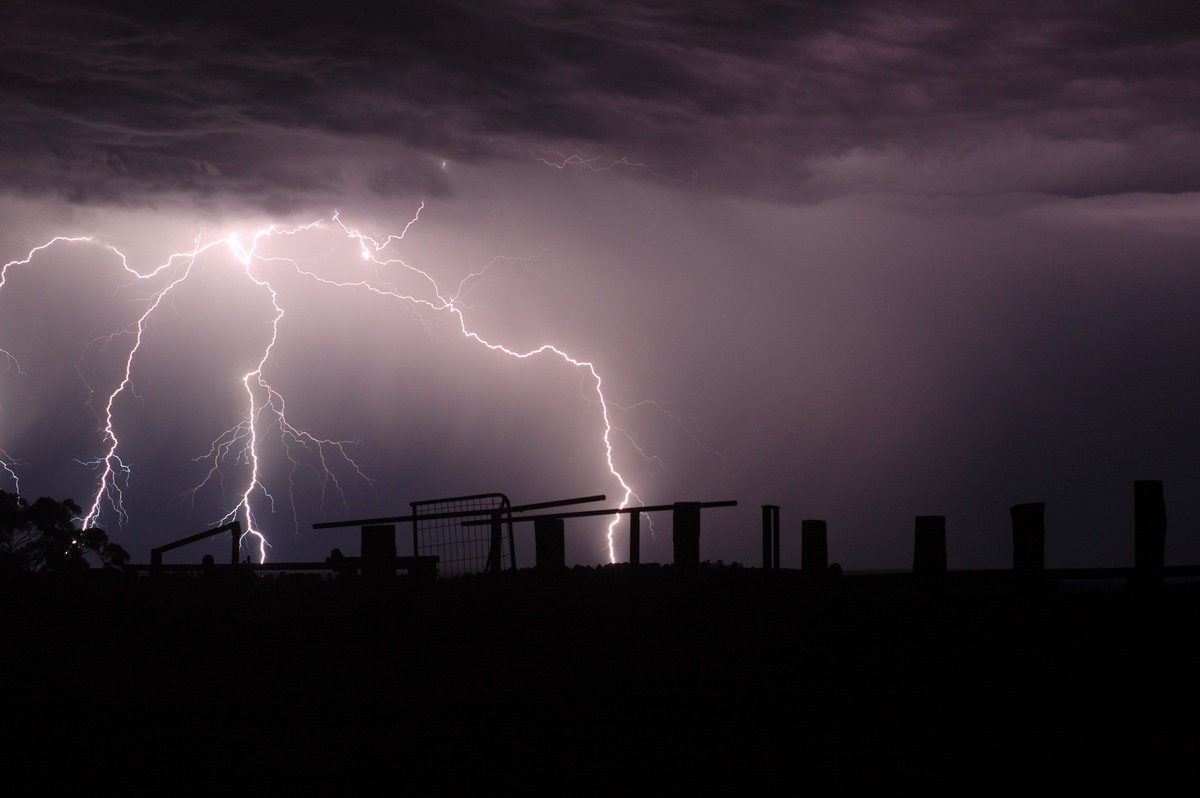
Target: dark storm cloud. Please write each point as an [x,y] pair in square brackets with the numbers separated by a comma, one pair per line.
[122,103]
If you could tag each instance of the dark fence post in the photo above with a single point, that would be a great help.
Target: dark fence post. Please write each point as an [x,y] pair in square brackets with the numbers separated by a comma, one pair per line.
[378,550]
[775,540]
[814,548]
[1149,531]
[685,533]
[770,536]
[549,545]
[635,538]
[495,552]
[929,553]
[1029,538]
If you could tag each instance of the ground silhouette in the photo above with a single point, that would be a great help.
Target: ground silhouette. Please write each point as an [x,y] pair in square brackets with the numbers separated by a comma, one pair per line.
[611,676]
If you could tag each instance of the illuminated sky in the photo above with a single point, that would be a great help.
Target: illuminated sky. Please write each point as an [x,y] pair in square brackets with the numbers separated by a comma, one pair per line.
[862,260]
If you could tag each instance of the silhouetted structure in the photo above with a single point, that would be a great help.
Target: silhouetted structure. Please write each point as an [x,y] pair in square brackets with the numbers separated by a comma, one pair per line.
[549,544]
[233,527]
[455,533]
[814,548]
[378,550]
[438,528]
[635,538]
[486,522]
[1029,538]
[770,536]
[1149,530]
[685,534]
[688,525]
[929,552]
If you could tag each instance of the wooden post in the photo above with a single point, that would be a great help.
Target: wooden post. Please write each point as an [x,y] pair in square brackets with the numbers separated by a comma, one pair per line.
[635,538]
[337,561]
[685,533]
[766,538]
[929,554]
[775,540]
[236,534]
[1029,538]
[378,543]
[415,541]
[494,564]
[1149,531]
[549,546]
[770,533]
[814,548]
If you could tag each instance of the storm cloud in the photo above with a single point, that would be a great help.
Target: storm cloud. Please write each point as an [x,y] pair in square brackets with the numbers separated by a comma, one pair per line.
[257,102]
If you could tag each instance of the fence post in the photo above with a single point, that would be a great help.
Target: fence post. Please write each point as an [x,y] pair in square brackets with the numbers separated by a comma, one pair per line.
[814,548]
[378,549]
[775,540]
[770,533]
[635,538]
[495,554]
[1149,531]
[549,544]
[685,533]
[929,552]
[1029,538]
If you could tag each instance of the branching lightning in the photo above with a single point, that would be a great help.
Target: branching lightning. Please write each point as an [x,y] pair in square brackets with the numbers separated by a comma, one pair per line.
[598,163]
[9,466]
[264,407]
[678,421]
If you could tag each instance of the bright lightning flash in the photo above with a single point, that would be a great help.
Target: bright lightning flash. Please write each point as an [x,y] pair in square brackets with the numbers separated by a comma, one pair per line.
[265,409]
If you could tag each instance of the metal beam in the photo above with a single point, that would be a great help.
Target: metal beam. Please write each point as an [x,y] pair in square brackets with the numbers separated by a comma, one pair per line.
[400,519]
[659,508]
[233,526]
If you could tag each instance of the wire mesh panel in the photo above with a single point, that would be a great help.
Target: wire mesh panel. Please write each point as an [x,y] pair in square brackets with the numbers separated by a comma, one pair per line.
[464,549]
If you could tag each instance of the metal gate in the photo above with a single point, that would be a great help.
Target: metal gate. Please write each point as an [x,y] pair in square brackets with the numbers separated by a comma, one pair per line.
[465,549]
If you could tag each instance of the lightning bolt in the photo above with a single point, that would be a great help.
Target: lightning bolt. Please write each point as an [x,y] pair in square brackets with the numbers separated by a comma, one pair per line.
[680,422]
[8,464]
[265,407]
[372,250]
[559,160]
[598,163]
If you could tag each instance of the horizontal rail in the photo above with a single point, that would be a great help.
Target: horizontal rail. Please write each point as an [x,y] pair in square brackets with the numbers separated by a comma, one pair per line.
[658,508]
[1113,572]
[329,564]
[401,519]
[233,526]
[471,498]
[235,551]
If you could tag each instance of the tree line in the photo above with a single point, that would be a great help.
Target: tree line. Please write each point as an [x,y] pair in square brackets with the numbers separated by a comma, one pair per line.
[44,537]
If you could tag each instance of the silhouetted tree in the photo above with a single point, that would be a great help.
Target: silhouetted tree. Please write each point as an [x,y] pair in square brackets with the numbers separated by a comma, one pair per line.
[44,536]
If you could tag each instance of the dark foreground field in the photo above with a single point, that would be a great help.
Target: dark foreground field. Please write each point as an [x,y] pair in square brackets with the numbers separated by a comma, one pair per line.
[597,678]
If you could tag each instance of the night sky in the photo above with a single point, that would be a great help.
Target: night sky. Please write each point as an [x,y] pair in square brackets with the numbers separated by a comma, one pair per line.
[862,260]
